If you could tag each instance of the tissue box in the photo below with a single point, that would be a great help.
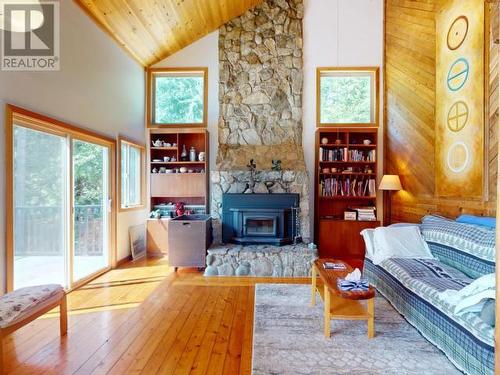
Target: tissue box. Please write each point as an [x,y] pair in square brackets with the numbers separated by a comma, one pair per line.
[353,286]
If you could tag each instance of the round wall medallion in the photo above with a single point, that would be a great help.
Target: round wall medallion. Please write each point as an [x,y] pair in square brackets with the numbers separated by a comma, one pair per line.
[457,32]
[458,74]
[458,116]
[458,157]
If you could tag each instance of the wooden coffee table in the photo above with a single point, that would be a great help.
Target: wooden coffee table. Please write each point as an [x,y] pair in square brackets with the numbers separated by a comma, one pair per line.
[341,305]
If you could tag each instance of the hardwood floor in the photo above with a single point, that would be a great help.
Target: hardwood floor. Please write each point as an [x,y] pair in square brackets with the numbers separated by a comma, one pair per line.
[144,318]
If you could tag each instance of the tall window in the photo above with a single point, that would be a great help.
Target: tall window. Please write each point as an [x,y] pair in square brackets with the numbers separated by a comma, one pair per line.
[177,97]
[347,96]
[132,167]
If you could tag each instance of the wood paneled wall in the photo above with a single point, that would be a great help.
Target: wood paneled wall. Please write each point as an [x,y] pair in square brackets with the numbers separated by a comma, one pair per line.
[410,71]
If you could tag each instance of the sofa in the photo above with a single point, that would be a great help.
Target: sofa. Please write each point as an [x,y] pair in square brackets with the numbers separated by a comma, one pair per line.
[462,253]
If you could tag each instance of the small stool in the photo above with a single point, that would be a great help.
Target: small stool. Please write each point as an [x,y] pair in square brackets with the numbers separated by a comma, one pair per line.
[24,305]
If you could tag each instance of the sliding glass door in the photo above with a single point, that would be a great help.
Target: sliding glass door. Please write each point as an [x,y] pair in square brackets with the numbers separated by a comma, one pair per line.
[90,209]
[40,206]
[60,190]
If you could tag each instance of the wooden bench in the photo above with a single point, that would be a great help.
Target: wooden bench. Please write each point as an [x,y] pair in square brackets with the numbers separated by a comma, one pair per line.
[24,305]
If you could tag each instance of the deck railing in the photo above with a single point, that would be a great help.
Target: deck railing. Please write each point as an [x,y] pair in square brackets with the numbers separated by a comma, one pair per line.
[38,231]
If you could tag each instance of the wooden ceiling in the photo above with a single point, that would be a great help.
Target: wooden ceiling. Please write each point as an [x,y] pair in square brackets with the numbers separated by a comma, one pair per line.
[151,30]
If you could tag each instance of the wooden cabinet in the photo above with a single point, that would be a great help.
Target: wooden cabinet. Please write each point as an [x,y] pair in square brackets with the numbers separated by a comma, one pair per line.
[157,237]
[345,178]
[166,189]
[341,239]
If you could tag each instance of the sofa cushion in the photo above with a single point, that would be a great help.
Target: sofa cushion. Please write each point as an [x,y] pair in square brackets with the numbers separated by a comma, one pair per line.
[427,278]
[22,303]
[469,248]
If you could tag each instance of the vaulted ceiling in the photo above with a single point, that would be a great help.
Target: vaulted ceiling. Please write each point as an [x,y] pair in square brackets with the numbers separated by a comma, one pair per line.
[151,30]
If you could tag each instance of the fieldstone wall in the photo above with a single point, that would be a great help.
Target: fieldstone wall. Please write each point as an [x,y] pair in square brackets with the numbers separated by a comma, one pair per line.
[260,260]
[261,76]
[260,94]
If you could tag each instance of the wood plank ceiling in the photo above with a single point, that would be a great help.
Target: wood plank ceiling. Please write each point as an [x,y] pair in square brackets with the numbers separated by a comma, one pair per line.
[151,30]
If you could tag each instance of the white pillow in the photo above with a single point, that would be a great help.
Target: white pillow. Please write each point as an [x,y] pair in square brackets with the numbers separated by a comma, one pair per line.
[399,242]
[368,237]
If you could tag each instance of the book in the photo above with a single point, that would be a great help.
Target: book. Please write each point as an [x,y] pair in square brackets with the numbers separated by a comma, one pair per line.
[334,266]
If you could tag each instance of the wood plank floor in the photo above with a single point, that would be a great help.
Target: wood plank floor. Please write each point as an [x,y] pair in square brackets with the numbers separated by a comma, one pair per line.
[144,318]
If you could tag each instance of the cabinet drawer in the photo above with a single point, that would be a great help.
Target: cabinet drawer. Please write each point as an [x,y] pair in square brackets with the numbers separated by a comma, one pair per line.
[183,185]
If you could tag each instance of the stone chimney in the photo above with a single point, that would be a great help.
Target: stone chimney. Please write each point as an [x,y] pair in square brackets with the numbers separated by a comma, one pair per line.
[260,95]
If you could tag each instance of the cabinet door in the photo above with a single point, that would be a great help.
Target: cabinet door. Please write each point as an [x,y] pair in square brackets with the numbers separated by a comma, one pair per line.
[157,239]
[342,240]
[185,185]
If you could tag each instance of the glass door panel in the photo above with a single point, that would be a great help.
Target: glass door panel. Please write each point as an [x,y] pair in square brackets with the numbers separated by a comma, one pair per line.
[40,206]
[90,208]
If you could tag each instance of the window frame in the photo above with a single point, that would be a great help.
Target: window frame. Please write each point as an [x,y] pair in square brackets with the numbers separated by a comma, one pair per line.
[124,140]
[373,72]
[155,72]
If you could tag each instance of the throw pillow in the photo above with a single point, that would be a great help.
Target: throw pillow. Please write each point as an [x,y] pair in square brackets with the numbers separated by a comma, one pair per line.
[399,242]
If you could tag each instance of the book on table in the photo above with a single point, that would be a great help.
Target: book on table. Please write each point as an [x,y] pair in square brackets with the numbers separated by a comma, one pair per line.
[334,266]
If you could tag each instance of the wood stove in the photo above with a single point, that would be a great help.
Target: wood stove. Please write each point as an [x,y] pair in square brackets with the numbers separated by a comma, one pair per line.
[260,218]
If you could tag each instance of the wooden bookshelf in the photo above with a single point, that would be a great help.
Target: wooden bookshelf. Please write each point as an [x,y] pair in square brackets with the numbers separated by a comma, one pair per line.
[344,166]
[191,187]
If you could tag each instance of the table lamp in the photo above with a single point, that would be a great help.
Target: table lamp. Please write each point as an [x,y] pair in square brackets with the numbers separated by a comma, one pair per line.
[389,183]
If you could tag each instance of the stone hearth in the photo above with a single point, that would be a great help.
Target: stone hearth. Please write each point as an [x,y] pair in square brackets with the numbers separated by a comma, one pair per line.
[260,260]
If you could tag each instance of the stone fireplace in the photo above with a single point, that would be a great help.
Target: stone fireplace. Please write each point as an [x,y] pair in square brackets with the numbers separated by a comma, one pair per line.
[260,95]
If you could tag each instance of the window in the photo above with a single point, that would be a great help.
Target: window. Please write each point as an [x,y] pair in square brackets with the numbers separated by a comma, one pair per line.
[132,180]
[347,96]
[177,97]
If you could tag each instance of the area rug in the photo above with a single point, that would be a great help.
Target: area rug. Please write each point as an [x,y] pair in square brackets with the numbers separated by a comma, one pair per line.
[288,339]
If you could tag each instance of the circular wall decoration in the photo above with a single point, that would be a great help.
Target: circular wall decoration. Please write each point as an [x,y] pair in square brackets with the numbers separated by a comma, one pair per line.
[458,74]
[458,157]
[458,116]
[457,32]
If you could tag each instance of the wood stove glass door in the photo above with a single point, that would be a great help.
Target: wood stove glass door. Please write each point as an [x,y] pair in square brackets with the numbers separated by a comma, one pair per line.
[262,226]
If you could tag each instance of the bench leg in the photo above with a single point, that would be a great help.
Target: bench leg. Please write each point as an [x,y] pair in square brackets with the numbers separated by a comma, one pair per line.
[63,316]
[1,353]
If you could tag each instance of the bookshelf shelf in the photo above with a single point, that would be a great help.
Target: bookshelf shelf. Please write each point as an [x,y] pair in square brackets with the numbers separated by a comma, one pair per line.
[363,146]
[346,162]
[178,162]
[348,197]
[334,178]
[164,148]
[347,174]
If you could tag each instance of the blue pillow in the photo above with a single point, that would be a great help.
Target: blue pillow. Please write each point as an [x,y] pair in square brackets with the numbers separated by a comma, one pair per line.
[488,222]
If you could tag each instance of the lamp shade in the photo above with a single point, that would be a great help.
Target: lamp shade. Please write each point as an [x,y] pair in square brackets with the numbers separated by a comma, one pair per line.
[390,182]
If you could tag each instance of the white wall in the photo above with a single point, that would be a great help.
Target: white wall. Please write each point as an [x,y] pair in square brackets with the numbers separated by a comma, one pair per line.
[99,87]
[339,33]
[336,33]
[202,53]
